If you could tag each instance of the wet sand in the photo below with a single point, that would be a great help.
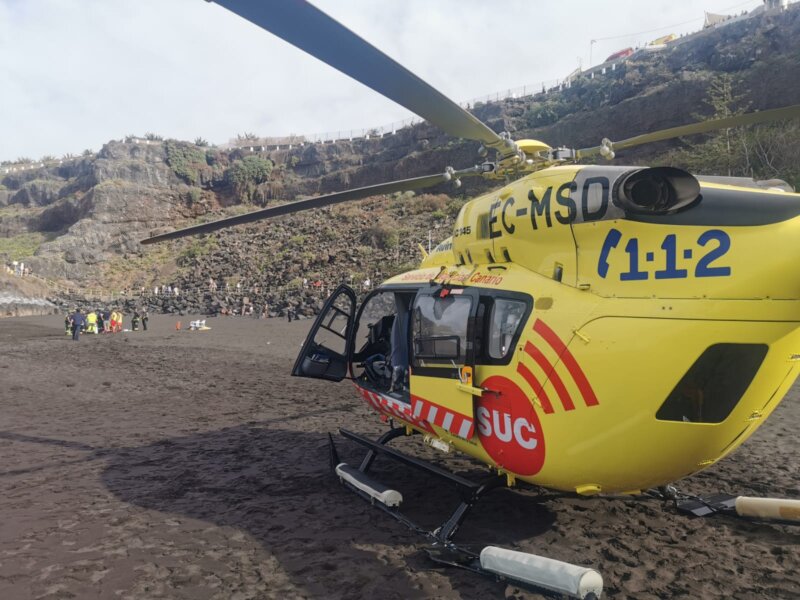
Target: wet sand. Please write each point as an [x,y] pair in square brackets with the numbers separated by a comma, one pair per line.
[188,465]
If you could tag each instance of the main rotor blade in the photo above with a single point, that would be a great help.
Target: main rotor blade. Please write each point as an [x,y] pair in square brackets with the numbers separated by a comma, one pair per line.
[763,116]
[308,28]
[403,185]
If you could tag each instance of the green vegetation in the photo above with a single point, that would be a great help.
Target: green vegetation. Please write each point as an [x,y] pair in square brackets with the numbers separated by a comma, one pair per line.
[245,174]
[14,210]
[21,246]
[194,195]
[197,248]
[185,160]
[454,207]
[765,151]
[133,271]
[381,235]
[111,184]
[540,115]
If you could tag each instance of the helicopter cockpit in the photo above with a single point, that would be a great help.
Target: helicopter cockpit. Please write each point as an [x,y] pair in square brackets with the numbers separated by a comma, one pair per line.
[381,343]
[433,330]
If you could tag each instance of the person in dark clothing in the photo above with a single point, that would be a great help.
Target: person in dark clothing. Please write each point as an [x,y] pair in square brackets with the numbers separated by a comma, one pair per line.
[67,324]
[101,322]
[398,356]
[135,321]
[289,314]
[78,322]
[145,318]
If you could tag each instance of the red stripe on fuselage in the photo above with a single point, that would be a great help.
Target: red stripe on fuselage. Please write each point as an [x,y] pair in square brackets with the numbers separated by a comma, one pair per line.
[569,361]
[551,374]
[537,387]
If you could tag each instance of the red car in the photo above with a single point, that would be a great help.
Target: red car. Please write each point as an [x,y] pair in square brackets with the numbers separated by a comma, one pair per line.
[620,54]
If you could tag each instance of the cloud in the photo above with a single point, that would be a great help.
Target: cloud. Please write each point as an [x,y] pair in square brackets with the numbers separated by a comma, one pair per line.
[77,73]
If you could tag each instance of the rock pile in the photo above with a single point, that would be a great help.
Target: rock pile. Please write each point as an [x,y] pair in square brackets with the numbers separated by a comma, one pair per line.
[294,263]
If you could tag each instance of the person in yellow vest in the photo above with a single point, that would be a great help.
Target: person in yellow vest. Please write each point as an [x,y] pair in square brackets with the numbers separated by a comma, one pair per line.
[119,320]
[91,322]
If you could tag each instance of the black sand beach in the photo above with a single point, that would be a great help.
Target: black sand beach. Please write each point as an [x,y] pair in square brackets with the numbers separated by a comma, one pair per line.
[175,464]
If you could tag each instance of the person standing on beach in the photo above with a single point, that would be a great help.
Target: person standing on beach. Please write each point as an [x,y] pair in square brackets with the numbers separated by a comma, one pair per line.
[78,321]
[91,322]
[145,318]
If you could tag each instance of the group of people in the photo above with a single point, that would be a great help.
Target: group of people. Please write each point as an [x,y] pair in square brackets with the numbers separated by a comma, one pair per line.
[17,268]
[166,290]
[101,321]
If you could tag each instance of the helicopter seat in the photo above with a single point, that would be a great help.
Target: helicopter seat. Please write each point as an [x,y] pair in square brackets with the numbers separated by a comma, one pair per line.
[377,370]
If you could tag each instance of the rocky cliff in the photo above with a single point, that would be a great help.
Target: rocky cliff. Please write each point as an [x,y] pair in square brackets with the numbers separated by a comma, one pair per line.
[23,296]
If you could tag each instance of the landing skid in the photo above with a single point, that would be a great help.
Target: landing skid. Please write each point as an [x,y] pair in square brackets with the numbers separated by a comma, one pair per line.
[527,570]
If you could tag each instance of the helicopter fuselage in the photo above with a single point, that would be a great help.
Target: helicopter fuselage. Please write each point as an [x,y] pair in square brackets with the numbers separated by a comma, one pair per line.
[654,343]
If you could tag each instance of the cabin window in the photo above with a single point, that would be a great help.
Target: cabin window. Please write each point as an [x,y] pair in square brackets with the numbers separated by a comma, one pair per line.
[713,386]
[505,319]
[332,333]
[440,329]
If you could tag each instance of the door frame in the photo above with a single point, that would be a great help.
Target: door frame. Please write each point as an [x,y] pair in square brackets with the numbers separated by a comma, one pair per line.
[305,365]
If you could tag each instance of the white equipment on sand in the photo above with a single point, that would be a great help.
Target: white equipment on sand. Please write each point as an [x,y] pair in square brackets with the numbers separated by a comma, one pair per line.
[773,509]
[199,325]
[547,573]
[768,508]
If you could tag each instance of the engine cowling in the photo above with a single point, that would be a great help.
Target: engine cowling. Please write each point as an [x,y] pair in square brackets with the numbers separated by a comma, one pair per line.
[655,191]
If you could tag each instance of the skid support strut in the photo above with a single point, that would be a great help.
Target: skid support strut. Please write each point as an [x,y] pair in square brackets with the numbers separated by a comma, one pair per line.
[470,491]
[528,570]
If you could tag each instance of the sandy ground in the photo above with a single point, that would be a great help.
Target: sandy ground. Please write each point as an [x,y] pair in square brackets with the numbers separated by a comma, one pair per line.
[191,465]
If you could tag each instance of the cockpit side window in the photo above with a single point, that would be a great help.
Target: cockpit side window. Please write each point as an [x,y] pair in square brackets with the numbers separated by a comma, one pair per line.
[499,326]
[504,322]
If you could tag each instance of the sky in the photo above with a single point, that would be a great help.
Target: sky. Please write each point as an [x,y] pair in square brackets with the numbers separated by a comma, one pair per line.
[75,74]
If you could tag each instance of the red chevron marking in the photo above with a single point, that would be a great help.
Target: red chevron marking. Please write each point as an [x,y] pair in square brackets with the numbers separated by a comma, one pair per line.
[569,361]
[552,376]
[547,407]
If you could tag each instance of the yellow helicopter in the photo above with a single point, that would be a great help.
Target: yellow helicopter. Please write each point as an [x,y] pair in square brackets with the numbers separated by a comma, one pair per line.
[590,329]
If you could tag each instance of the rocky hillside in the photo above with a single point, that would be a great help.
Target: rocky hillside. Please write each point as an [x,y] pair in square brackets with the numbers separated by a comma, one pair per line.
[292,263]
[23,296]
[81,220]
